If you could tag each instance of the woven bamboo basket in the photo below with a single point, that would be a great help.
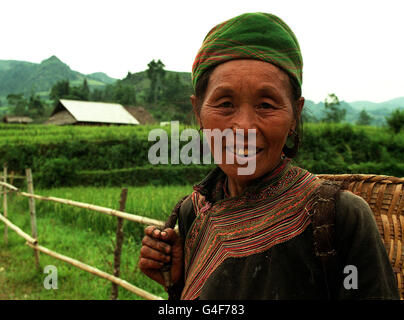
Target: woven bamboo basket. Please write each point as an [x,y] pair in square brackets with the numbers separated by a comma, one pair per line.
[385,196]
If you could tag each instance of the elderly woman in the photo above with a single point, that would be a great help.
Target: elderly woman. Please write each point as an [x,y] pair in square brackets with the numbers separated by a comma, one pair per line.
[253,236]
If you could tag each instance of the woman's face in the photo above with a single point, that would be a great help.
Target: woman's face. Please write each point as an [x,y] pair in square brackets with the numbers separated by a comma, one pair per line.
[248,94]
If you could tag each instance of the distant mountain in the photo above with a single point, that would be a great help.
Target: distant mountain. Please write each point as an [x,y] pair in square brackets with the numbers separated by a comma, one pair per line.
[378,111]
[373,106]
[25,77]
[101,76]
[317,110]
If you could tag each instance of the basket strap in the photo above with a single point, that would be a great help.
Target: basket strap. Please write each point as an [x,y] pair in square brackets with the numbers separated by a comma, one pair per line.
[323,221]
[174,290]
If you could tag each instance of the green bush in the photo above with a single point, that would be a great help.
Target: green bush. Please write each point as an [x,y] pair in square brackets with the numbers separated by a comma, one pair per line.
[58,172]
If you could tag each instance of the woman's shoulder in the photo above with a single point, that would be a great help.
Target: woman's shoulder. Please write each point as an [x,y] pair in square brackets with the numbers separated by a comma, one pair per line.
[352,208]
[355,221]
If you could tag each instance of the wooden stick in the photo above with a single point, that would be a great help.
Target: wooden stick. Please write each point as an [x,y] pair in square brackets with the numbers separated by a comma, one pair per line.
[97,272]
[14,176]
[108,211]
[8,186]
[5,210]
[32,211]
[118,245]
[18,230]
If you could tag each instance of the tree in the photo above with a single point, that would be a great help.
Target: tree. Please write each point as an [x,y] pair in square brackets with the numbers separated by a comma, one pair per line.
[173,88]
[333,113]
[124,94]
[36,107]
[364,119]
[155,73]
[85,90]
[395,120]
[63,90]
[18,104]
[60,90]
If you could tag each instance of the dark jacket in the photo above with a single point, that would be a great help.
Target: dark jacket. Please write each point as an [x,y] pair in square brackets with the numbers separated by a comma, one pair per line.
[290,270]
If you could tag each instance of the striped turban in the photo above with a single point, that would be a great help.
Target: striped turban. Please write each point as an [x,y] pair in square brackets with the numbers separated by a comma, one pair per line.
[259,36]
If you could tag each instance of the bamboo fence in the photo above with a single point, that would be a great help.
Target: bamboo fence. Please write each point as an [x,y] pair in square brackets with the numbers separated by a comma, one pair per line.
[108,211]
[32,240]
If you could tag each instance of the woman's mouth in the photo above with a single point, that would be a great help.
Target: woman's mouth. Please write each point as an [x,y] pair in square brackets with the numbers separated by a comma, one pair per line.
[244,152]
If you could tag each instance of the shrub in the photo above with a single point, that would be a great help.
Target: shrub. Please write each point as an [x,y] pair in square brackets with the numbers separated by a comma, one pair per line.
[58,172]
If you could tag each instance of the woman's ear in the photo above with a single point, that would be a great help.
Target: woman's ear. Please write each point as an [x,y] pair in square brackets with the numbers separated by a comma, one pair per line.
[195,106]
[299,109]
[300,105]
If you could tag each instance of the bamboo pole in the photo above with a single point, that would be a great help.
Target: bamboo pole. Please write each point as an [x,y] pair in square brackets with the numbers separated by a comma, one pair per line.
[97,272]
[5,209]
[17,230]
[15,176]
[8,186]
[118,245]
[32,211]
[108,211]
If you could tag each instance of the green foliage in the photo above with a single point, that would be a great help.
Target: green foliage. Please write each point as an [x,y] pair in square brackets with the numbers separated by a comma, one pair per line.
[342,148]
[60,90]
[18,103]
[57,172]
[120,92]
[333,112]
[165,94]
[155,73]
[63,90]
[364,119]
[396,120]
[146,175]
[33,107]
[118,155]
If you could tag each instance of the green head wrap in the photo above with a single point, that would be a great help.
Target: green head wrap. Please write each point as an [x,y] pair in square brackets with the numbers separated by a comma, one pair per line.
[259,36]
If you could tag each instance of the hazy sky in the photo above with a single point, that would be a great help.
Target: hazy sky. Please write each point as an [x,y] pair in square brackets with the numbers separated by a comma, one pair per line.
[352,48]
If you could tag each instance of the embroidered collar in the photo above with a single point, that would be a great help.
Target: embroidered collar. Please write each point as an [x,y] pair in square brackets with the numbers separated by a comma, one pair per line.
[214,185]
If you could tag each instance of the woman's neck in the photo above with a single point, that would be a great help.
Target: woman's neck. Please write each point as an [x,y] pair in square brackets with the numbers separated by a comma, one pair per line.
[235,187]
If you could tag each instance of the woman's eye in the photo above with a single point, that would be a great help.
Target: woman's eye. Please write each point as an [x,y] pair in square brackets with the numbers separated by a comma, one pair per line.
[226,104]
[265,105]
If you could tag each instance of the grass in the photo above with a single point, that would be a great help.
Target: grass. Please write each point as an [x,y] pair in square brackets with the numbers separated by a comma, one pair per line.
[83,235]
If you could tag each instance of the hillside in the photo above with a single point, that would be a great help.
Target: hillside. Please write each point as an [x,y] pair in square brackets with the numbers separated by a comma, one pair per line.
[26,77]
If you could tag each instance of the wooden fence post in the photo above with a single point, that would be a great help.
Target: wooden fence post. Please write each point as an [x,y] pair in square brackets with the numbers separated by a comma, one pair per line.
[5,202]
[118,245]
[32,211]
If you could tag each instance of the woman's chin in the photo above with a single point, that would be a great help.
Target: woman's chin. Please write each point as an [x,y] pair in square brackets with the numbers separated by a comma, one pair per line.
[242,173]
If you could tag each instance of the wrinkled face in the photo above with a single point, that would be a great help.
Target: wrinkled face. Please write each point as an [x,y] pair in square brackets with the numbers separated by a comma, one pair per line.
[248,94]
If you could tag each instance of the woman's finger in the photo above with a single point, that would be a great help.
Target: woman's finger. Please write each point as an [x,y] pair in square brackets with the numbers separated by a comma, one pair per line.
[152,231]
[156,244]
[145,264]
[149,253]
[169,235]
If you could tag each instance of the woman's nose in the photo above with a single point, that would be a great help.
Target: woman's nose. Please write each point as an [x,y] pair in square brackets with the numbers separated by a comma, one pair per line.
[244,118]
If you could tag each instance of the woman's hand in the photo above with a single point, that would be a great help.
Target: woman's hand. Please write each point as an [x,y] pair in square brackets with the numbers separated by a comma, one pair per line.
[158,248]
